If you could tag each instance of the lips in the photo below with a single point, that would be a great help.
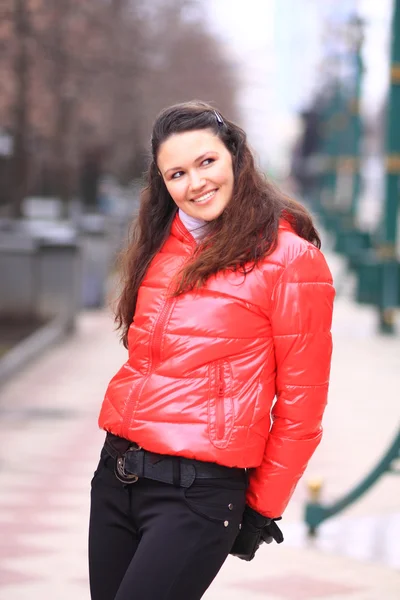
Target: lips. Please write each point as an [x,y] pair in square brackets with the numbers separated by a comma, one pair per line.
[204,197]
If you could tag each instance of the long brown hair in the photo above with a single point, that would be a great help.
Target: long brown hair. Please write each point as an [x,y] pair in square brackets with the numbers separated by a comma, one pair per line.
[238,239]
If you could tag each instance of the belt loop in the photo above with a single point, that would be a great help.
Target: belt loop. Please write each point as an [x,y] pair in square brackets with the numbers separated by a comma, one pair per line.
[176,471]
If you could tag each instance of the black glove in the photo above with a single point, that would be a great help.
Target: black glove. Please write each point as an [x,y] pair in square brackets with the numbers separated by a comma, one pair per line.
[255,530]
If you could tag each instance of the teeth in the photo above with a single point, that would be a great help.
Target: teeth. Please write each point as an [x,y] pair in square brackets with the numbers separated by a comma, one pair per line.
[205,197]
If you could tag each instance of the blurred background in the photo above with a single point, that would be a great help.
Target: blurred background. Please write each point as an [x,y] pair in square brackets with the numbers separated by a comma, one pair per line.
[316,85]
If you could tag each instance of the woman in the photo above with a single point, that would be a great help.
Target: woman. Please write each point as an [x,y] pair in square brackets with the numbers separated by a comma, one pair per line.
[226,305]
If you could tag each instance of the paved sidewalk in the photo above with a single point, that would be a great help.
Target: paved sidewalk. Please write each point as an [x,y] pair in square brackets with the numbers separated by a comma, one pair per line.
[49,445]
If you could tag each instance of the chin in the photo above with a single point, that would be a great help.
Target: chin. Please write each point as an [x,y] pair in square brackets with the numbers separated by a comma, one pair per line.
[209,214]
[212,218]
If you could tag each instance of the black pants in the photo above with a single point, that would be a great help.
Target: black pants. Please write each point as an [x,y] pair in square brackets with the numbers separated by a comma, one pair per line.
[155,541]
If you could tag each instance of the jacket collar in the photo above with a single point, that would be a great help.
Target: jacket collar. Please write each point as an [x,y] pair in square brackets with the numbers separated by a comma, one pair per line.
[284,224]
[179,231]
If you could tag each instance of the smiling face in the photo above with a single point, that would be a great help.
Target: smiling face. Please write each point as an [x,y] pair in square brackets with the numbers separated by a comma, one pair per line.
[198,172]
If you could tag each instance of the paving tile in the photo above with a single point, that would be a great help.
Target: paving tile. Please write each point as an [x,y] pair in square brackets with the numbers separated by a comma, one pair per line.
[10,577]
[22,527]
[11,547]
[298,587]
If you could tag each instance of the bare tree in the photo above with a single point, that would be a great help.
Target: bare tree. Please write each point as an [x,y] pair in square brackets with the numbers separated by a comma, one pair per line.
[181,61]
[20,163]
[88,77]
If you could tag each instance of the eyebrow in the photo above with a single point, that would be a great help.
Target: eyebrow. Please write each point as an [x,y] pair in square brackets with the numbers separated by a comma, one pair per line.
[198,159]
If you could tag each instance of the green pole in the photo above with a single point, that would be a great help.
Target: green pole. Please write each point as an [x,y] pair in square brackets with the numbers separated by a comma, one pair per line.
[332,127]
[389,296]
[356,119]
[329,179]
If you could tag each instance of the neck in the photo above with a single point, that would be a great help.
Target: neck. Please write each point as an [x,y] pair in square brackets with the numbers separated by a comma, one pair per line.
[194,225]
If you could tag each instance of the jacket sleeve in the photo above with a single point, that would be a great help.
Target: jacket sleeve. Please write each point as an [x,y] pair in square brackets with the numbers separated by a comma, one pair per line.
[301,317]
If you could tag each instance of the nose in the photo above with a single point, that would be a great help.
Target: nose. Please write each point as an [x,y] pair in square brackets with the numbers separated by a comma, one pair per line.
[196,181]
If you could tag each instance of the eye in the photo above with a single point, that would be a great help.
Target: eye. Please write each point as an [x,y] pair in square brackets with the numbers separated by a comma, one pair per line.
[177,175]
[208,161]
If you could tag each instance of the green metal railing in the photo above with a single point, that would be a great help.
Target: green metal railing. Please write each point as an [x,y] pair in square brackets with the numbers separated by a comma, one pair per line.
[316,513]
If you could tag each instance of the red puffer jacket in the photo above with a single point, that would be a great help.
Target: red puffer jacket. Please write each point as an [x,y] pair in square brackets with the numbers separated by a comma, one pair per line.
[204,368]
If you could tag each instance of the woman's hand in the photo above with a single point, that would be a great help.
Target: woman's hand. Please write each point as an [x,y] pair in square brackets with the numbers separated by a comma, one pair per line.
[255,530]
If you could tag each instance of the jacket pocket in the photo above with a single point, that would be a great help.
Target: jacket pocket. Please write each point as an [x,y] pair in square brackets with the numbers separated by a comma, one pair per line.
[220,404]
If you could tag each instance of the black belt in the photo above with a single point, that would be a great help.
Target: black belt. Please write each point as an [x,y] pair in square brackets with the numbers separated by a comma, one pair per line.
[133,462]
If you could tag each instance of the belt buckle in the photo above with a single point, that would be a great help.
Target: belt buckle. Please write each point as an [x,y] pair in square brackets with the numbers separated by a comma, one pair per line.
[120,472]
[122,475]
[134,447]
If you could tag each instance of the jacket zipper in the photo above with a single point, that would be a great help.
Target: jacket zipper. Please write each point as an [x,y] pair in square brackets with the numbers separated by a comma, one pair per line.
[158,332]
[220,409]
[154,354]
[165,312]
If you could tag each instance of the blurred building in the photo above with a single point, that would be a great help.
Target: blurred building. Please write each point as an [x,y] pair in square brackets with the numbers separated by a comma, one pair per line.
[281,48]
